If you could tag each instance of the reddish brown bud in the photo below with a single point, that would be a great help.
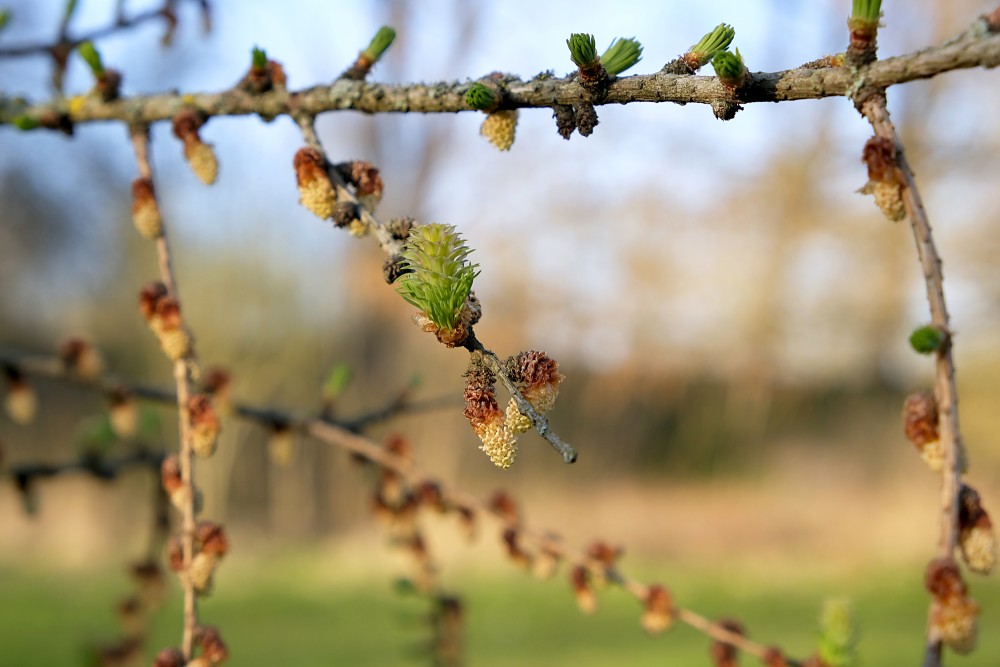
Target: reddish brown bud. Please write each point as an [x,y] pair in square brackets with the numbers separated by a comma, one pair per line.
[170,474]
[428,493]
[212,538]
[208,639]
[773,657]
[204,425]
[169,657]
[186,124]
[365,178]
[943,579]
[604,553]
[81,357]
[504,506]
[149,298]
[397,444]
[725,654]
[659,610]
[175,555]
[920,418]
[977,540]
[580,580]
[511,539]
[316,192]
[145,210]
[881,157]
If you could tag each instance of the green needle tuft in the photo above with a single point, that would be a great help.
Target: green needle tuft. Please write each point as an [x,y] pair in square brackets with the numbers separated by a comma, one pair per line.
[440,276]
[90,55]
[705,50]
[481,97]
[258,58]
[621,55]
[582,49]
[926,339]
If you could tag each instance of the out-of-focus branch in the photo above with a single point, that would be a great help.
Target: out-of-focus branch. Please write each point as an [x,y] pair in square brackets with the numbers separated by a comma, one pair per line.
[553,545]
[977,47]
[110,386]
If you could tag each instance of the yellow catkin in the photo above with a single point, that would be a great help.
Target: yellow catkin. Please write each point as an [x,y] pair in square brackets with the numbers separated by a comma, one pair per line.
[148,221]
[176,343]
[955,621]
[318,196]
[201,158]
[202,571]
[499,443]
[514,420]
[21,404]
[889,199]
[124,420]
[979,549]
[204,439]
[499,128]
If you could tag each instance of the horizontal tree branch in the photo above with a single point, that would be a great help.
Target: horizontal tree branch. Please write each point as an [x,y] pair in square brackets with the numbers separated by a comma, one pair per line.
[977,47]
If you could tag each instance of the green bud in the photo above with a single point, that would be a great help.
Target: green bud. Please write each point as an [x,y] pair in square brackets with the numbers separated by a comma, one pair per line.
[336,381]
[5,16]
[90,55]
[441,275]
[704,51]
[926,339]
[481,97]
[838,634]
[729,67]
[582,49]
[622,54]
[380,43]
[869,11]
[26,123]
[258,58]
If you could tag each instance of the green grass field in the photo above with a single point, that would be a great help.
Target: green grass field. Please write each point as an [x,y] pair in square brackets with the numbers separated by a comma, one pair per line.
[283,614]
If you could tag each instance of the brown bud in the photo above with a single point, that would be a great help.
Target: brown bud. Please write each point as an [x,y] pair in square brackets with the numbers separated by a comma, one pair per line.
[428,493]
[365,178]
[604,553]
[175,555]
[659,610]
[204,425]
[977,540]
[398,445]
[145,210]
[504,506]
[316,192]
[81,357]
[920,418]
[881,157]
[208,639]
[774,658]
[723,653]
[169,657]
[942,579]
[580,580]
[212,538]
[511,539]
[149,298]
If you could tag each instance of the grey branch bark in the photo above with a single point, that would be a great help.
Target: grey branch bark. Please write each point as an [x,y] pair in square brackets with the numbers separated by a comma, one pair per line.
[977,47]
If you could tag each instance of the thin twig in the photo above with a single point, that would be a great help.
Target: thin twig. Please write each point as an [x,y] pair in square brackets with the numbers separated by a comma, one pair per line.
[405,467]
[945,389]
[393,246]
[182,377]
[65,41]
[977,47]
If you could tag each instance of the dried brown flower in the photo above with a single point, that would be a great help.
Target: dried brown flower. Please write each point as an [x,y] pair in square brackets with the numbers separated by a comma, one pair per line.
[658,614]
[316,192]
[724,654]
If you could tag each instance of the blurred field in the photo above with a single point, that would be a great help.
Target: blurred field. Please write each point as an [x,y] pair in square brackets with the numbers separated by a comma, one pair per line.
[297,611]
